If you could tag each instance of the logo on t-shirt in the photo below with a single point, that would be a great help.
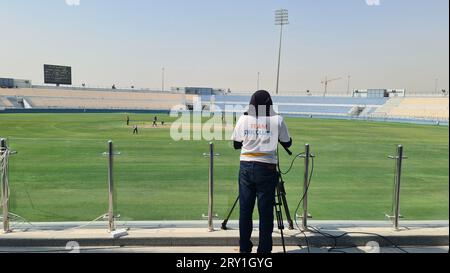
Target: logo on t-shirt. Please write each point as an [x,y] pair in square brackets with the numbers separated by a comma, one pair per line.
[256,130]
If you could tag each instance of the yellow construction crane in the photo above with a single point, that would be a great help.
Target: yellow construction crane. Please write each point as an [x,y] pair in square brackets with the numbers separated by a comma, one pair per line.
[326,82]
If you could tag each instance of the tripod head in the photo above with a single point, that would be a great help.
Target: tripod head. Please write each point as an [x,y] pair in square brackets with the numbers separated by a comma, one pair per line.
[287,150]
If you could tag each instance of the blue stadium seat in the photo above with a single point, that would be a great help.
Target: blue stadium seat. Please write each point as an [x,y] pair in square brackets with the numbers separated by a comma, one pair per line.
[307,105]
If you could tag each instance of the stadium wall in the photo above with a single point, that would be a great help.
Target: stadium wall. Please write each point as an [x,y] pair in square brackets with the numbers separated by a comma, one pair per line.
[62,100]
[166,112]
[80,111]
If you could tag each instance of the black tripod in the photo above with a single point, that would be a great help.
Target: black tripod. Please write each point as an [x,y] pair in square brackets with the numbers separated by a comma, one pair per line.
[280,203]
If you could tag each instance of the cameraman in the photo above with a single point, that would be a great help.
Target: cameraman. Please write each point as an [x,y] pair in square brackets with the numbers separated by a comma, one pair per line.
[257,134]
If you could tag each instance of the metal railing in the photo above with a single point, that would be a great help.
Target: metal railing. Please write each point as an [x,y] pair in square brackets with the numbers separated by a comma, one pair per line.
[395,216]
[5,192]
[211,155]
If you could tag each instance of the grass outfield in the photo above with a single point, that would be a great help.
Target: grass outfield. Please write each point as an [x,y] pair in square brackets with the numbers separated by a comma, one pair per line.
[60,173]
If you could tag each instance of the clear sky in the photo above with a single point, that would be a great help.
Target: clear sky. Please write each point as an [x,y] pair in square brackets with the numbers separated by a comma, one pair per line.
[225,43]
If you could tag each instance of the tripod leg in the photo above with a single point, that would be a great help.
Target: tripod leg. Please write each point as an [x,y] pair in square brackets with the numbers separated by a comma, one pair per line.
[286,206]
[225,222]
[279,214]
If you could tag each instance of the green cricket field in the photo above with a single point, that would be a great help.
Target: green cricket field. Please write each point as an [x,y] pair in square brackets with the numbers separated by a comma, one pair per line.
[60,172]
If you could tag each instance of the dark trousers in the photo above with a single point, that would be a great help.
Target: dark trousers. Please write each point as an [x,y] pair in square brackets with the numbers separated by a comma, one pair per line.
[257,181]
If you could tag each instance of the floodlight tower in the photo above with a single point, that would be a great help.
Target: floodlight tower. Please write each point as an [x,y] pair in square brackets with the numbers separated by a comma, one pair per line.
[281,19]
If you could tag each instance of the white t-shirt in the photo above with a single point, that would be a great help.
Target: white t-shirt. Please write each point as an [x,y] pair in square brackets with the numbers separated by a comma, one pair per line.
[259,137]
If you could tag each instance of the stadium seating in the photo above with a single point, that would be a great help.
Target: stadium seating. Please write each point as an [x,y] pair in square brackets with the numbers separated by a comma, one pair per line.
[416,108]
[89,99]
[334,106]
[4,103]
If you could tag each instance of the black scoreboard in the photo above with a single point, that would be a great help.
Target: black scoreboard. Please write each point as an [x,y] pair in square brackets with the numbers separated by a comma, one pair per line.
[56,74]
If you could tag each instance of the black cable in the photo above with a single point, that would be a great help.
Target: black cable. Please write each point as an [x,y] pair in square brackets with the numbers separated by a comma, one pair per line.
[292,164]
[335,238]
[306,239]
[300,202]
[310,179]
[311,174]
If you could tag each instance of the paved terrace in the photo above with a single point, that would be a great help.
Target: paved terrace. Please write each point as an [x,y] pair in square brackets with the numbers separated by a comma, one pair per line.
[193,236]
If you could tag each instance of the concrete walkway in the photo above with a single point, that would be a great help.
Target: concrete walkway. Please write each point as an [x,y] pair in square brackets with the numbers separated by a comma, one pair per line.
[190,236]
[221,250]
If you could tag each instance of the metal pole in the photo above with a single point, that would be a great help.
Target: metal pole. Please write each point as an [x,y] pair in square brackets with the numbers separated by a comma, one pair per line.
[211,188]
[111,187]
[397,186]
[163,78]
[305,188]
[5,190]
[279,59]
[348,85]
[436,81]
[281,19]
[259,76]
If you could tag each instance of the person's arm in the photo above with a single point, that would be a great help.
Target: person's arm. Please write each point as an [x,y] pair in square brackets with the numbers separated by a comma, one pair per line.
[284,136]
[237,145]
[237,136]
[286,145]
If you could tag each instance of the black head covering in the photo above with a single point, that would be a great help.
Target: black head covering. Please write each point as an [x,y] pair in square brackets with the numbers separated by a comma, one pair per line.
[259,99]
